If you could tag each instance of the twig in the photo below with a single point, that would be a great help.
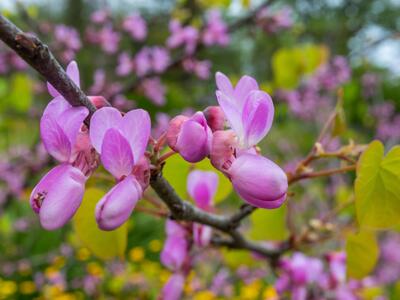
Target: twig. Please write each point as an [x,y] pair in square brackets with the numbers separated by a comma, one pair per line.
[321,173]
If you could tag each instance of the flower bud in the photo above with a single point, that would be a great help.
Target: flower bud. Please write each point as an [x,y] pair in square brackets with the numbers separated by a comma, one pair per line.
[99,101]
[117,205]
[58,195]
[215,118]
[259,181]
[191,137]
[222,149]
[172,290]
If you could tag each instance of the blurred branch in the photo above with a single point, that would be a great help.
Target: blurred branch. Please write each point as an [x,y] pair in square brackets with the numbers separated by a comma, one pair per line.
[38,55]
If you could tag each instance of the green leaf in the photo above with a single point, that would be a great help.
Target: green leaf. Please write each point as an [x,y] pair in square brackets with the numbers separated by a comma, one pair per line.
[269,224]
[377,187]
[20,96]
[176,171]
[103,244]
[290,64]
[362,253]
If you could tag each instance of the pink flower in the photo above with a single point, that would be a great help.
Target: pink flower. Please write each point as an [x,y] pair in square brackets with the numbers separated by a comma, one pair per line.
[182,36]
[125,64]
[175,251]
[173,289]
[161,59]
[155,59]
[216,31]
[109,39]
[58,195]
[121,142]
[191,137]
[249,111]
[202,187]
[136,26]
[215,117]
[154,90]
[200,68]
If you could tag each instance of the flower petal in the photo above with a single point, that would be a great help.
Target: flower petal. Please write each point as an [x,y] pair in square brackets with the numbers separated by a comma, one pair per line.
[174,252]
[245,85]
[224,84]
[193,141]
[116,154]
[58,195]
[257,117]
[102,120]
[232,113]
[73,72]
[202,186]
[135,127]
[54,139]
[56,107]
[71,121]
[173,289]
[117,205]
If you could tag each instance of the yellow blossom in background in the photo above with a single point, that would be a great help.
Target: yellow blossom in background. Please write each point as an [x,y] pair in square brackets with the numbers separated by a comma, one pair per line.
[270,293]
[95,269]
[50,272]
[251,291]
[164,276]
[58,262]
[136,254]
[155,245]
[204,295]
[7,288]
[83,254]
[27,287]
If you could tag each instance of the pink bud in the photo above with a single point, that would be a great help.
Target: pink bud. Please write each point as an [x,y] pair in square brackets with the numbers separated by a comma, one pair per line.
[174,253]
[172,290]
[223,149]
[215,118]
[191,137]
[117,205]
[99,101]
[58,195]
[259,181]
[202,234]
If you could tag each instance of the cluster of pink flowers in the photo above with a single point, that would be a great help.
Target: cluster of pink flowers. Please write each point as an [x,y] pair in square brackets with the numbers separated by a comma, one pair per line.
[136,26]
[387,121]
[249,112]
[105,36]
[275,21]
[67,41]
[9,61]
[315,94]
[215,31]
[303,277]
[186,36]
[119,140]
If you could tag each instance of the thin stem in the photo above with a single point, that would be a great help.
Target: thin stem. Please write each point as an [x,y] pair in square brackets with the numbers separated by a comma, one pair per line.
[322,173]
[166,155]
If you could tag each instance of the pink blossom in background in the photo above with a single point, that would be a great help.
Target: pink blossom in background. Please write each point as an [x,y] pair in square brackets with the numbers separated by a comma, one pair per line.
[151,59]
[161,59]
[136,26]
[370,83]
[100,16]
[200,68]
[106,37]
[125,64]
[275,21]
[99,82]
[182,36]
[154,90]
[161,126]
[215,31]
[67,40]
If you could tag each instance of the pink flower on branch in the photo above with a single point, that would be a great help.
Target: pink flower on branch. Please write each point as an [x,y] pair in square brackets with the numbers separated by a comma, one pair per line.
[121,142]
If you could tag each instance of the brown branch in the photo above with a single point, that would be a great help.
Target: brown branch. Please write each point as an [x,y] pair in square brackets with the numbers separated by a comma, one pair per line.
[38,55]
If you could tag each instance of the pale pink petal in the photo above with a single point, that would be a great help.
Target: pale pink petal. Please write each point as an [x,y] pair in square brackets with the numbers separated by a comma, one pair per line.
[102,120]
[54,139]
[116,154]
[174,228]
[173,289]
[232,113]
[73,72]
[202,234]
[224,84]
[56,107]
[175,252]
[258,114]
[116,206]
[71,121]
[135,127]
[52,91]
[245,85]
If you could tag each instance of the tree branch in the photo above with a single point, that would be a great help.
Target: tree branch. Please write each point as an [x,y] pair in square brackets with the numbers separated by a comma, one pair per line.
[38,55]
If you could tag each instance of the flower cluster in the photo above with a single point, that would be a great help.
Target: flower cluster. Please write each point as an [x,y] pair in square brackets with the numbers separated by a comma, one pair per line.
[249,112]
